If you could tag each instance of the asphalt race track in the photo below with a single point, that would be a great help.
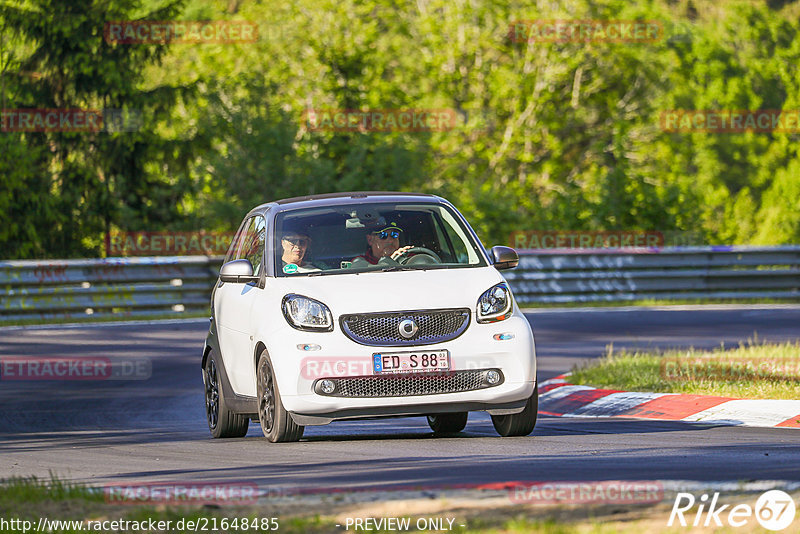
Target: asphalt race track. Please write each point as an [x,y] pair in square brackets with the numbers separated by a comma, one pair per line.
[120,431]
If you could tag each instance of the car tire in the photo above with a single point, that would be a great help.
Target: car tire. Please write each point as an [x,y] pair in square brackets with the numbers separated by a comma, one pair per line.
[448,423]
[222,422]
[522,423]
[276,423]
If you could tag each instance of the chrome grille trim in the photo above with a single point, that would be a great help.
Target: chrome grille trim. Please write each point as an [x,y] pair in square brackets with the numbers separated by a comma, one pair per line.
[381,329]
[408,385]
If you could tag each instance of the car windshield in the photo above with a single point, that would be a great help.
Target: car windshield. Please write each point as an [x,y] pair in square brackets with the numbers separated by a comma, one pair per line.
[372,237]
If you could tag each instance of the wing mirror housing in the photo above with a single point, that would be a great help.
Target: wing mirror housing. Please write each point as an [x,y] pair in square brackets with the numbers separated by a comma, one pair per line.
[504,258]
[238,272]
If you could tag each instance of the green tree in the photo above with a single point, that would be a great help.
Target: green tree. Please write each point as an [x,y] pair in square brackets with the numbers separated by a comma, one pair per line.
[82,183]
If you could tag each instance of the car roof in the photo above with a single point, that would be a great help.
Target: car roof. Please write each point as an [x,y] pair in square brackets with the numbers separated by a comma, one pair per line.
[333,199]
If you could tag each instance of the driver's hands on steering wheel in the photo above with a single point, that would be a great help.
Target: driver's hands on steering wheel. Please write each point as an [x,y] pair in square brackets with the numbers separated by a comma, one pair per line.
[400,251]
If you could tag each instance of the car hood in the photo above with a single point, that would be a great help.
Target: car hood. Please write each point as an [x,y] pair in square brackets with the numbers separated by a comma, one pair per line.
[395,291]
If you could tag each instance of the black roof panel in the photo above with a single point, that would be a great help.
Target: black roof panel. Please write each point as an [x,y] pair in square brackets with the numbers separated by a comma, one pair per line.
[352,194]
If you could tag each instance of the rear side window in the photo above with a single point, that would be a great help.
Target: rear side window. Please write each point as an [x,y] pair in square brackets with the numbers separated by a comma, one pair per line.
[249,243]
[253,243]
[236,244]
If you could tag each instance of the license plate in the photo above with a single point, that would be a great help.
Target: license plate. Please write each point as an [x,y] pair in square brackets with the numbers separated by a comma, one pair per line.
[411,362]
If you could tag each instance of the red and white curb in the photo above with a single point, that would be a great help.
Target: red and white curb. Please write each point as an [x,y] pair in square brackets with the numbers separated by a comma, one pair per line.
[560,398]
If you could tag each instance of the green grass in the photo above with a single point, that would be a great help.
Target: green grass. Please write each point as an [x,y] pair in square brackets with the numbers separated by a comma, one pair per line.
[31,489]
[30,498]
[751,370]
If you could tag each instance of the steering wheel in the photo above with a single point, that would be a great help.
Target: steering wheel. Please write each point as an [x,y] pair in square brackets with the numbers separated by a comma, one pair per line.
[421,256]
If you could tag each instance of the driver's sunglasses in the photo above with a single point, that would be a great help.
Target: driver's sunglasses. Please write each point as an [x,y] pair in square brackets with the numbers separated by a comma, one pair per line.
[384,234]
[299,241]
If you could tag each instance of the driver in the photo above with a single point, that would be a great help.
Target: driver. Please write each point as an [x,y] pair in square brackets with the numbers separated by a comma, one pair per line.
[384,243]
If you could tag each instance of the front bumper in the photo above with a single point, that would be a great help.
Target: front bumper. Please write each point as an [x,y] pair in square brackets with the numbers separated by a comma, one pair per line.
[407,410]
[298,373]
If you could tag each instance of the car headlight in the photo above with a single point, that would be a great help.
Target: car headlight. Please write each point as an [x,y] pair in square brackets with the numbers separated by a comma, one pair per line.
[495,304]
[304,313]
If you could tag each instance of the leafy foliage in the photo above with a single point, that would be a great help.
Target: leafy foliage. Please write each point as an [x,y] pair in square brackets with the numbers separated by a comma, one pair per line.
[72,186]
[551,135]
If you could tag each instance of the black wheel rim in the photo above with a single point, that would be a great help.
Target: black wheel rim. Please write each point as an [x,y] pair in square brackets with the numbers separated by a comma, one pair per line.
[212,394]
[266,398]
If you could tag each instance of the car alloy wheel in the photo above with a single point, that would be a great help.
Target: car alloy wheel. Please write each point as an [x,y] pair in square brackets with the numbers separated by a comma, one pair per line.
[276,423]
[222,422]
[212,394]
[266,399]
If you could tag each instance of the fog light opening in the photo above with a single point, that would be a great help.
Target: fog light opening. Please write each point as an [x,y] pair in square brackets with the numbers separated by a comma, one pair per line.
[492,377]
[327,386]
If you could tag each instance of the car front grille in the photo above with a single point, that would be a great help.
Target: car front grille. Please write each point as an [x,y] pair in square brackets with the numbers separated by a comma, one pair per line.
[394,385]
[382,329]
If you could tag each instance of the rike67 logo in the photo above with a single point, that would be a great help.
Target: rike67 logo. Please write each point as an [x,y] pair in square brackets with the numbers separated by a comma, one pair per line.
[774,510]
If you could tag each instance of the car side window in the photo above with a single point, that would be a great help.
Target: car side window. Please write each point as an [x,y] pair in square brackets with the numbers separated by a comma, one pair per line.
[236,244]
[452,246]
[253,243]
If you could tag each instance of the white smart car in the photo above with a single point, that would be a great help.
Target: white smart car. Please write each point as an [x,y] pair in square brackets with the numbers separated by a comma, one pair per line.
[363,305]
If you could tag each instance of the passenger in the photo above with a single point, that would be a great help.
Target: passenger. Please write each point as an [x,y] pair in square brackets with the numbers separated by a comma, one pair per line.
[295,244]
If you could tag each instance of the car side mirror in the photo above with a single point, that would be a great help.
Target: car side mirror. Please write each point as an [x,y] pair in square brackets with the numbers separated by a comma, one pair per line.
[504,258]
[238,272]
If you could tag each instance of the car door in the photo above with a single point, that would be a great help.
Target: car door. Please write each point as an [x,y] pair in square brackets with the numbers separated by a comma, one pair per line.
[233,307]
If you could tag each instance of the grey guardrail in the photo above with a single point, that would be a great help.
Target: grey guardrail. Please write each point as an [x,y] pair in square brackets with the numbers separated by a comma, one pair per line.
[175,286]
[118,287]
[719,272]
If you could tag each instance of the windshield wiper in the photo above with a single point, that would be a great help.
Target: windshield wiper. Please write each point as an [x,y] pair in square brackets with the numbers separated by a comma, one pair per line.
[397,268]
[324,273]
